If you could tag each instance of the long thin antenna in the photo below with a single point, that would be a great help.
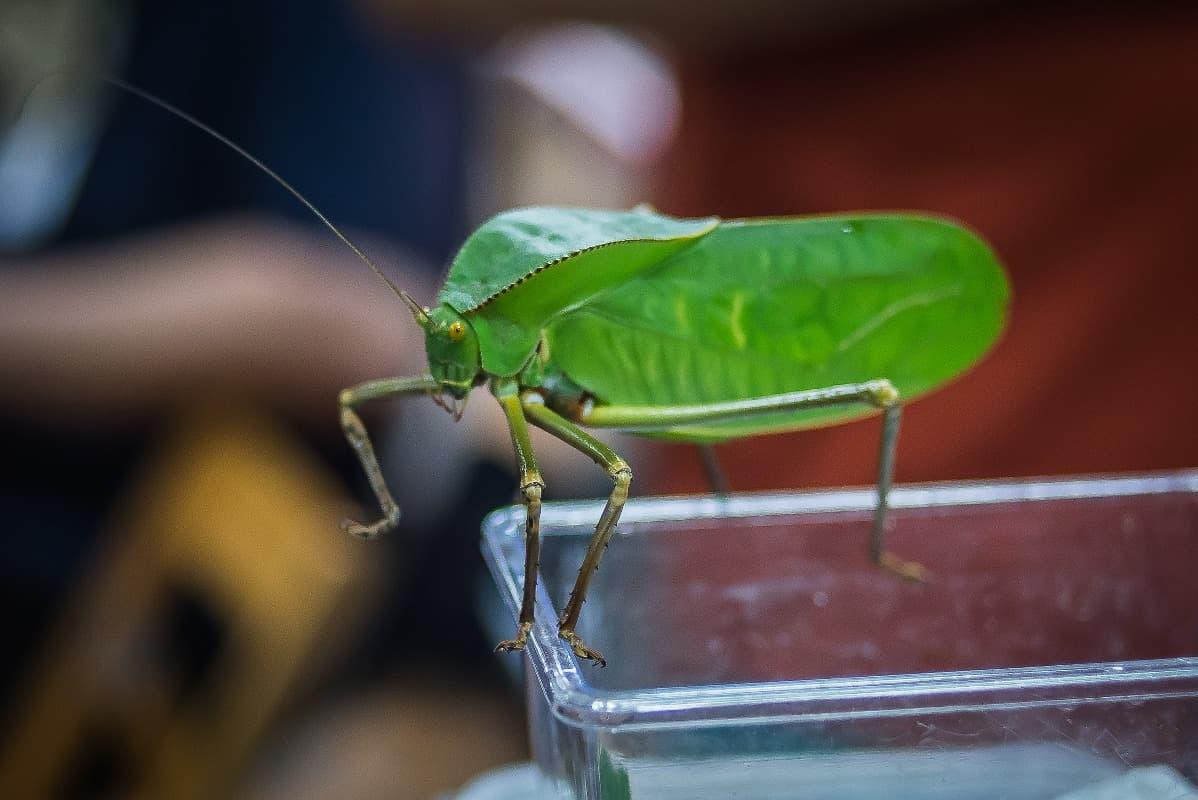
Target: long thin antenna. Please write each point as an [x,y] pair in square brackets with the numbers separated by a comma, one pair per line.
[417,311]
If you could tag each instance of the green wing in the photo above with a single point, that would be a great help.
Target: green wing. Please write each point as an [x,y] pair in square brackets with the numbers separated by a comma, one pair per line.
[770,306]
[509,247]
[524,267]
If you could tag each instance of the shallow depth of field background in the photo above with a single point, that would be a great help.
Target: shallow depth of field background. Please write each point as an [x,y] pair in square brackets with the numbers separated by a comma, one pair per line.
[181,616]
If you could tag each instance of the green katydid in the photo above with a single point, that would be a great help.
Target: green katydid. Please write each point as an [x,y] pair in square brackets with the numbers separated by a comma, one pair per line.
[695,330]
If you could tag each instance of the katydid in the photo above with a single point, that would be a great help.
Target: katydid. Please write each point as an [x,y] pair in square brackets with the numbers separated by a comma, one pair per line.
[696,330]
[693,330]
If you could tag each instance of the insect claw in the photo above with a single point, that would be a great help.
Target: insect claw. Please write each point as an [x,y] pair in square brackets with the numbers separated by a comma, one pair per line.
[581,650]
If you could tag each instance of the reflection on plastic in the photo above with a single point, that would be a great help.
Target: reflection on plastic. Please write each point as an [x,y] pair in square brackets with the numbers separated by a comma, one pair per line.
[751,645]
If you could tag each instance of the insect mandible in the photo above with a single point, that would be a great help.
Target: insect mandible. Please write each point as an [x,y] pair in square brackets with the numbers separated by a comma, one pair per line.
[694,330]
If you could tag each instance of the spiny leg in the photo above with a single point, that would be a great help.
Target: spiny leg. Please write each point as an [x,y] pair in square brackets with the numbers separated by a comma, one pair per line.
[909,570]
[359,440]
[621,476]
[531,487]
[717,479]
[878,393]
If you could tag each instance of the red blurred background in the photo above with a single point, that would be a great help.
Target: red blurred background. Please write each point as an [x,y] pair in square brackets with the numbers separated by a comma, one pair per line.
[1068,139]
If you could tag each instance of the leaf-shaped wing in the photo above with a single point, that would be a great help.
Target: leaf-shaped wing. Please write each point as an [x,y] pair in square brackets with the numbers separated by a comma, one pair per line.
[511,246]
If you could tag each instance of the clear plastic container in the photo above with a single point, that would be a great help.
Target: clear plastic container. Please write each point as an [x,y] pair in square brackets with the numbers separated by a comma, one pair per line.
[753,652]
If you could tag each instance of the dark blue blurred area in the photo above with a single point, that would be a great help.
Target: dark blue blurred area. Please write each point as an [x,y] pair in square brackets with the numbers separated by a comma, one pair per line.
[371,129]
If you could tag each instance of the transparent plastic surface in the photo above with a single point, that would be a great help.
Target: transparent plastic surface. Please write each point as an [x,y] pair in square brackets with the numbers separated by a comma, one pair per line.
[755,653]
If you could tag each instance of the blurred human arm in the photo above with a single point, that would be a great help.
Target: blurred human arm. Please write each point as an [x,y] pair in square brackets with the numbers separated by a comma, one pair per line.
[109,331]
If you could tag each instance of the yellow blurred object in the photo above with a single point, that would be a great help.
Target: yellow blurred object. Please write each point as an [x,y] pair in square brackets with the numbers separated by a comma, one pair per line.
[234,523]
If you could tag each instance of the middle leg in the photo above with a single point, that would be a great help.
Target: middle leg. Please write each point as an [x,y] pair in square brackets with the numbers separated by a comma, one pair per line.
[531,486]
[621,475]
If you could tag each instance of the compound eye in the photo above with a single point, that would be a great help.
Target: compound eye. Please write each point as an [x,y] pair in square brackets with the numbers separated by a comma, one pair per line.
[457,331]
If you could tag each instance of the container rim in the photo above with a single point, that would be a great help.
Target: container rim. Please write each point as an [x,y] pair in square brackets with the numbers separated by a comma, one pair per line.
[574,700]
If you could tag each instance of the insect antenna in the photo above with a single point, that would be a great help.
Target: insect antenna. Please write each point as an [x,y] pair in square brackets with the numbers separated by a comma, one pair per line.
[416,309]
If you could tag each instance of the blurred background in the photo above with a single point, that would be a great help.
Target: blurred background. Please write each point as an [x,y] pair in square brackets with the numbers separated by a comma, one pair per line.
[181,616]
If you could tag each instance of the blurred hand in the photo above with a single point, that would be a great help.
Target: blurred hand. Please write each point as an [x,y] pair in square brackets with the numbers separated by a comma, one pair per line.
[109,332]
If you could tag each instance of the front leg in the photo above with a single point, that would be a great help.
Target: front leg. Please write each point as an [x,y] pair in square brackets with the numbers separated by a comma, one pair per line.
[359,440]
[531,487]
